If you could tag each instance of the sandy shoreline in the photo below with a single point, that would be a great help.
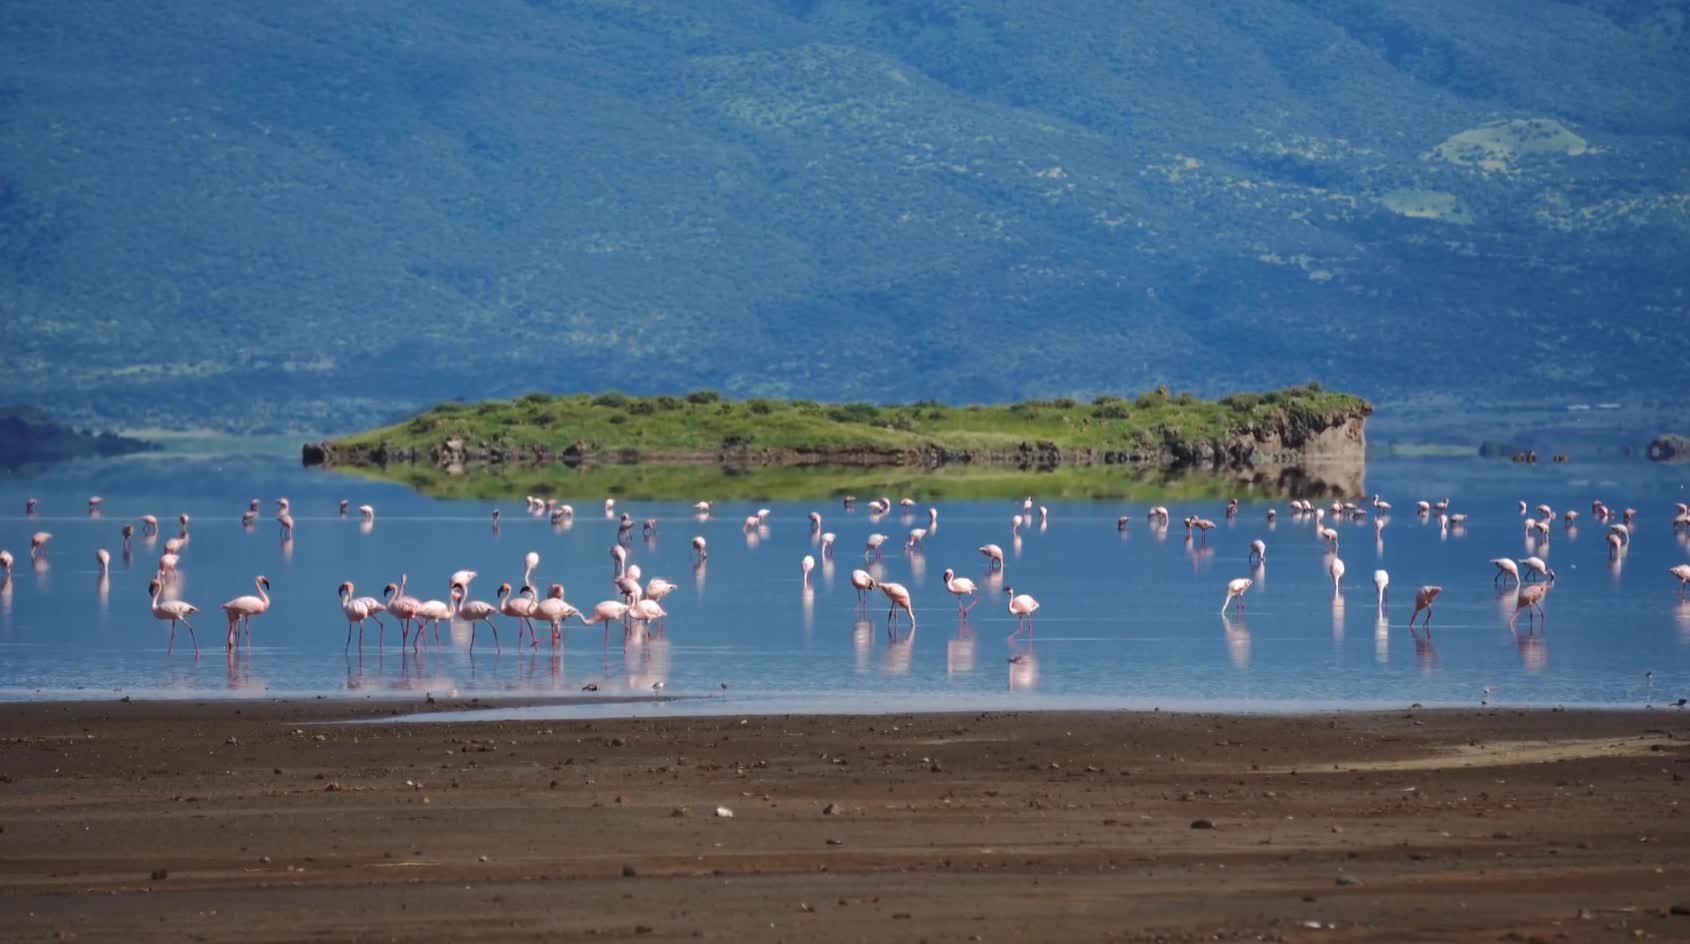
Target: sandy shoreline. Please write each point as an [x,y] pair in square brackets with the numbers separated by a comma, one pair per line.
[1449,825]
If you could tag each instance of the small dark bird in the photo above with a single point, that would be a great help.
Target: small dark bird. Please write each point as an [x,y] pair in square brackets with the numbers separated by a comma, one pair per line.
[1681,703]
[590,687]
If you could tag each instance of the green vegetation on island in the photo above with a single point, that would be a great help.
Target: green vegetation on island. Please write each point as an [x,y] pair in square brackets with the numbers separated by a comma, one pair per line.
[1153,428]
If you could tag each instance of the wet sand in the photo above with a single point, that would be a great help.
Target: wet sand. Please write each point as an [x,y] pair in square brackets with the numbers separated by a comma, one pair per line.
[249,821]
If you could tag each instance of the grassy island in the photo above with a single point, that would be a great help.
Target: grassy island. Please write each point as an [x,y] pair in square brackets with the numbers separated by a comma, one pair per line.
[1155,429]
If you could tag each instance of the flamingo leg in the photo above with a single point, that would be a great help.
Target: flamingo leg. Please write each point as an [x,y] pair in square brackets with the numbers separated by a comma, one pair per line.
[190,635]
[496,646]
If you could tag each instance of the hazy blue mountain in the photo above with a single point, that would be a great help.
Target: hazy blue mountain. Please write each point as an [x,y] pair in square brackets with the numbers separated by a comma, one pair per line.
[318,215]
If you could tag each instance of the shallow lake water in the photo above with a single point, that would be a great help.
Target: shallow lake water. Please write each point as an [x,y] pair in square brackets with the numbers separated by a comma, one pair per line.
[1127,619]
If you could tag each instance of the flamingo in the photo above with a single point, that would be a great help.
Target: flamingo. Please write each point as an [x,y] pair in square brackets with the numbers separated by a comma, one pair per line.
[248,518]
[38,544]
[241,610]
[1536,565]
[658,588]
[367,512]
[1122,522]
[496,516]
[648,527]
[1015,523]
[1622,531]
[462,578]
[167,565]
[806,565]
[1423,601]
[1424,508]
[609,507]
[103,558]
[1505,567]
[29,506]
[607,612]
[1021,606]
[476,611]
[619,559]
[994,556]
[899,596]
[284,517]
[1235,589]
[1682,572]
[916,540]
[1336,569]
[1258,551]
[1201,524]
[1380,504]
[94,503]
[176,611]
[344,504]
[1570,518]
[355,610]
[815,521]
[518,607]
[863,583]
[128,533]
[555,611]
[701,507]
[403,607]
[182,519]
[1529,598]
[828,537]
[1381,580]
[1272,515]
[6,565]
[962,587]
[629,587]
[373,608]
[700,548]
[149,524]
[906,503]
[932,520]
[1329,535]
[430,611]
[1232,509]
[871,549]
[647,611]
[1616,547]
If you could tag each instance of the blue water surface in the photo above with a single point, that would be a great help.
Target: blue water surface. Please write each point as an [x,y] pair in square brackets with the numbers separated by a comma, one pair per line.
[1126,619]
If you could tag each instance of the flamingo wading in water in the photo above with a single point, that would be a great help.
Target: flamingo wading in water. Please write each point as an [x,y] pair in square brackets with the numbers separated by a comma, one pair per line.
[242,609]
[176,611]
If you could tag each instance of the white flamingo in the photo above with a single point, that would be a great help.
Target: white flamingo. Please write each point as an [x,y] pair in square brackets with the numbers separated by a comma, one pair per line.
[1021,606]
[176,611]
[241,610]
[962,587]
[1235,589]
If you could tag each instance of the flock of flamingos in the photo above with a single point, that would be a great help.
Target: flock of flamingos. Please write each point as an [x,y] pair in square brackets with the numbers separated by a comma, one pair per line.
[1531,577]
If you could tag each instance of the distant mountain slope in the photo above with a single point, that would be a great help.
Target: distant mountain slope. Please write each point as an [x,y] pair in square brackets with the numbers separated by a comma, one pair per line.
[322,216]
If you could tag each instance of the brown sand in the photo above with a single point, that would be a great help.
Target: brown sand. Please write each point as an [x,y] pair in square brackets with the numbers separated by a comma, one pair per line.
[1412,826]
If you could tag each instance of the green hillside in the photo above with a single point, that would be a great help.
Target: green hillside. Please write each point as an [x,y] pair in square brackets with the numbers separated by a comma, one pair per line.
[322,217]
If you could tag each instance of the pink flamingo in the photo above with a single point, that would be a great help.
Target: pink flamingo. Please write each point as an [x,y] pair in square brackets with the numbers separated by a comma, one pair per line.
[1022,606]
[176,611]
[962,587]
[431,611]
[871,548]
[647,611]
[103,558]
[355,610]
[475,611]
[1682,572]
[462,578]
[619,559]
[1423,601]
[94,503]
[29,506]
[899,596]
[1258,551]
[518,607]
[555,611]
[863,583]
[6,562]
[806,565]
[403,607]
[242,609]
[128,533]
[344,504]
[367,512]
[1336,569]
[38,544]
[700,548]
[149,524]
[1235,589]
[284,517]
[994,557]
[1529,599]
[1505,567]
[1382,583]
[658,588]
